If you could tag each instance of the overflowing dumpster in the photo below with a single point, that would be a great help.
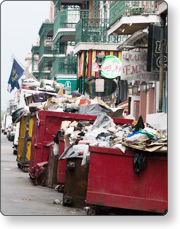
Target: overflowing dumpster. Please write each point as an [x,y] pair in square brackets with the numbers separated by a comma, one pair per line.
[45,126]
[113,180]
[24,142]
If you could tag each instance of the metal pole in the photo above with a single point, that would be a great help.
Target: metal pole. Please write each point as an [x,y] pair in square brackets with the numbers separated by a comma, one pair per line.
[161,72]
[99,93]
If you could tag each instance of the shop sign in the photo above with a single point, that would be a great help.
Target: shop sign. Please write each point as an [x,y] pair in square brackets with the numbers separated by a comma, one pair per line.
[154,48]
[111,67]
[134,67]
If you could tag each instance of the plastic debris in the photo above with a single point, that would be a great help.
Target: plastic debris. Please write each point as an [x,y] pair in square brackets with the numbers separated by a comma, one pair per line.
[56,201]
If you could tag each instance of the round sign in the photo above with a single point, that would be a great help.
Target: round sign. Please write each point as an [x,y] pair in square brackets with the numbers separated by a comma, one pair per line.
[111,67]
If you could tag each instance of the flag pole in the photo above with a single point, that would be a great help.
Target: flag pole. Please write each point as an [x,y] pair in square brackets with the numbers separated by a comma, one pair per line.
[22,66]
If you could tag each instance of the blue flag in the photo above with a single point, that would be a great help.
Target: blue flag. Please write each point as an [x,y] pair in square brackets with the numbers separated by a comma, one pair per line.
[16,74]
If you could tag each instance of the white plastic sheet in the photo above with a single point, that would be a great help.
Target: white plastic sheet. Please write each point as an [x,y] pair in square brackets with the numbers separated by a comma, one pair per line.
[158,120]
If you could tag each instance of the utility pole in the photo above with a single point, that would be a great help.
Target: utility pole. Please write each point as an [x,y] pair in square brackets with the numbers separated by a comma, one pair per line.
[161,72]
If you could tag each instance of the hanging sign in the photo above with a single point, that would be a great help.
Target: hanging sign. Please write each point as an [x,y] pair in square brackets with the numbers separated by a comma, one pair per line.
[154,48]
[134,65]
[111,67]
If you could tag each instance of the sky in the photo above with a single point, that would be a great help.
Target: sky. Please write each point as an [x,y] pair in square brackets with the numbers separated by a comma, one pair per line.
[20,24]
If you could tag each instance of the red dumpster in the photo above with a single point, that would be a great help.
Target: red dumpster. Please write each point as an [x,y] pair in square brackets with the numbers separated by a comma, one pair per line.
[112,181]
[45,125]
[62,163]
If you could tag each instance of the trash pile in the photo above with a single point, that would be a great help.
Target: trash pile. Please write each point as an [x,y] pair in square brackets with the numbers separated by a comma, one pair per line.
[75,103]
[146,137]
[105,133]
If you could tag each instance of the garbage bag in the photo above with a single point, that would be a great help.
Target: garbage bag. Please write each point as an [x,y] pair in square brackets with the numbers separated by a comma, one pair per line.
[17,114]
[39,97]
[76,151]
[75,94]
[140,124]
[103,121]
[137,138]
[103,135]
[70,108]
[139,162]
[93,109]
[60,133]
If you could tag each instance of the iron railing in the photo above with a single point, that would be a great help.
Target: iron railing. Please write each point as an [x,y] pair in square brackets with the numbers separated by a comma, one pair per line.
[65,65]
[46,34]
[70,17]
[128,8]
[46,48]
[35,57]
[94,30]
[62,47]
[45,67]
[66,19]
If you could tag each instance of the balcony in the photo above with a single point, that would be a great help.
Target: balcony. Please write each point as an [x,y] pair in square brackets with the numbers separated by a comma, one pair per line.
[66,20]
[45,67]
[35,49]
[94,30]
[62,47]
[65,65]
[46,50]
[46,47]
[35,59]
[127,17]
[46,34]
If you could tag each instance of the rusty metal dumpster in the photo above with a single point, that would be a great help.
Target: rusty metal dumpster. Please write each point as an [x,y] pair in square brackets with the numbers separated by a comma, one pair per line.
[45,126]
[61,166]
[75,186]
[24,142]
[113,182]
[52,169]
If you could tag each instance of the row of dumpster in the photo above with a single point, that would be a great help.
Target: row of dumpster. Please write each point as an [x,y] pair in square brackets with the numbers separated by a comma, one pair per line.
[106,180]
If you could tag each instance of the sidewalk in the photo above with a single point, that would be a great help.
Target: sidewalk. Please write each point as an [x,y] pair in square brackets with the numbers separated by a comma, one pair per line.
[18,194]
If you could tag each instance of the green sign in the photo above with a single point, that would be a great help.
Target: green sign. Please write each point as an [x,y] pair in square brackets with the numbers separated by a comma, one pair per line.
[111,67]
[69,82]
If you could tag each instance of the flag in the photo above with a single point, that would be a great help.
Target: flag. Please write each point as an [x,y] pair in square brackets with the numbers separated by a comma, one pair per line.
[16,73]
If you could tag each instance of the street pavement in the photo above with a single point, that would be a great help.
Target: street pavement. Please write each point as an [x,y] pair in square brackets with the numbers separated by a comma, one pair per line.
[18,194]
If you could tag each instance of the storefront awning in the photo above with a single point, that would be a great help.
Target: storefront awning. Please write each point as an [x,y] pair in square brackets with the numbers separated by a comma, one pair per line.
[139,38]
[130,24]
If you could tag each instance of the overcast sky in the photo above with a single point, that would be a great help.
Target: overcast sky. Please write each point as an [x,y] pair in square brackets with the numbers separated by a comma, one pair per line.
[20,24]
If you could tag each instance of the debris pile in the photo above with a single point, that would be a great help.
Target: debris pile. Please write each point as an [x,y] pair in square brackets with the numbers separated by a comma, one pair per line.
[75,103]
[105,133]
